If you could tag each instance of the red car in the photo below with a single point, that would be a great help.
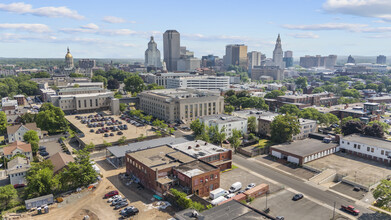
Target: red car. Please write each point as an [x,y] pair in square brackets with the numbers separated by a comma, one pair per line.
[17,186]
[111,194]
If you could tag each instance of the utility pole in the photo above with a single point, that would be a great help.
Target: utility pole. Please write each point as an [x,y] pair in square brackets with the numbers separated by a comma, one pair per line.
[266,200]
[334,211]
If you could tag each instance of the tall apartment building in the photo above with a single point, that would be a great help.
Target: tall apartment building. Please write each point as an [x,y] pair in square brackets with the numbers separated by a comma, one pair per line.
[83,100]
[199,82]
[188,64]
[171,47]
[381,59]
[254,59]
[272,71]
[318,61]
[236,54]
[181,105]
[288,58]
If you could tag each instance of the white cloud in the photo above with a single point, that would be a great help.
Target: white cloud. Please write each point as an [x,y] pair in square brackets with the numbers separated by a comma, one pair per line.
[327,26]
[116,20]
[16,38]
[308,35]
[38,28]
[53,12]
[90,26]
[365,8]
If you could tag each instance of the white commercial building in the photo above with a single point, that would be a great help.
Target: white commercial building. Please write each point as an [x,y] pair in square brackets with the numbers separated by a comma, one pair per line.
[189,64]
[199,82]
[161,78]
[226,123]
[367,147]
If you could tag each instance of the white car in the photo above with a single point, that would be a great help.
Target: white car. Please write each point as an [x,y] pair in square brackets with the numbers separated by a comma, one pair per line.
[230,195]
[114,198]
[250,186]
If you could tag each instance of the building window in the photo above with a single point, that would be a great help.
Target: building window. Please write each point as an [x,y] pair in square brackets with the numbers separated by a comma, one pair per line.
[211,176]
[343,142]
[355,145]
[382,152]
[367,148]
[359,146]
[372,150]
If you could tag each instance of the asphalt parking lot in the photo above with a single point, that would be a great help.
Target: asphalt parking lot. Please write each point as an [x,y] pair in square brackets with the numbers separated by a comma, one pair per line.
[281,204]
[52,147]
[240,175]
[348,190]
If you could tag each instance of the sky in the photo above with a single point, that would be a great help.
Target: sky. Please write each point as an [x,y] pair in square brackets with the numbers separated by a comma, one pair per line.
[122,28]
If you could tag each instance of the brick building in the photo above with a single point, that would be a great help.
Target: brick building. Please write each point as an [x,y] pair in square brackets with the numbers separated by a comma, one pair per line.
[162,167]
[198,177]
[210,153]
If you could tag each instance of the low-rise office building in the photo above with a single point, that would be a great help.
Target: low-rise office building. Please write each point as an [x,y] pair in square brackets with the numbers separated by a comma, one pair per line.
[84,100]
[199,82]
[302,101]
[303,151]
[253,113]
[181,105]
[367,147]
[380,99]
[161,78]
[226,123]
[210,153]
[162,167]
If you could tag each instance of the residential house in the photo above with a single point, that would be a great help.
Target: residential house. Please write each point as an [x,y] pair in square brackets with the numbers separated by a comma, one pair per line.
[16,132]
[18,147]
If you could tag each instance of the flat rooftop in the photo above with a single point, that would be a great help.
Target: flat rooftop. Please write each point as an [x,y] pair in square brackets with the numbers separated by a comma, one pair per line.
[380,98]
[371,141]
[120,151]
[198,148]
[254,112]
[194,168]
[182,93]
[161,157]
[223,118]
[296,96]
[305,147]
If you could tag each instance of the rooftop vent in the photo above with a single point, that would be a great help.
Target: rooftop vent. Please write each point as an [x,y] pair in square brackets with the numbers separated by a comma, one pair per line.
[197,145]
[189,147]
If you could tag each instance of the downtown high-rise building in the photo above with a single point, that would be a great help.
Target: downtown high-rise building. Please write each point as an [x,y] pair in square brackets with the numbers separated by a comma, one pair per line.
[171,47]
[288,58]
[381,59]
[327,62]
[254,59]
[278,54]
[152,55]
[236,54]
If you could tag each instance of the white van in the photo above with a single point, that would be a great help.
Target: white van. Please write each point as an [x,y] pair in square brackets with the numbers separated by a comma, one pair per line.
[218,200]
[235,187]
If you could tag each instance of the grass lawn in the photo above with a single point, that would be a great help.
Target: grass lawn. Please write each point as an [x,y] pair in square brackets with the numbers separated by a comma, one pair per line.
[264,143]
[234,166]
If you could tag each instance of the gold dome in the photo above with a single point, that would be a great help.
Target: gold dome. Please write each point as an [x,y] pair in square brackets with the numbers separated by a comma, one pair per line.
[68,55]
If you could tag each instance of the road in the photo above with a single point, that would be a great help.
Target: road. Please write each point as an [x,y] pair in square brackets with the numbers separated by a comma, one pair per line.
[326,197]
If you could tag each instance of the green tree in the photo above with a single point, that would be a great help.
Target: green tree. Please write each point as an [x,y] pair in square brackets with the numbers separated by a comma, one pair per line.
[154,86]
[284,127]
[235,139]
[122,107]
[113,84]
[289,109]
[274,94]
[76,75]
[197,127]
[252,124]
[4,90]
[99,79]
[383,191]
[7,194]
[318,90]
[3,122]
[28,118]
[107,144]
[40,75]
[229,109]
[40,179]
[28,87]
[351,93]
[121,140]
[346,119]
[384,125]
[332,119]
[51,119]
[31,136]
[301,82]
[134,83]
[117,95]
[230,93]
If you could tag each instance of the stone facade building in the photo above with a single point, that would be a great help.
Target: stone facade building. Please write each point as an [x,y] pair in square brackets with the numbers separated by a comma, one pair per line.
[152,55]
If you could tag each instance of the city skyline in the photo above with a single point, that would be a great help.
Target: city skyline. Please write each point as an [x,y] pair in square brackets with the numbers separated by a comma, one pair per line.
[120,29]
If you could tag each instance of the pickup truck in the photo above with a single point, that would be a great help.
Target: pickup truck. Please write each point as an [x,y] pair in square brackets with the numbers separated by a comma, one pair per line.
[350,209]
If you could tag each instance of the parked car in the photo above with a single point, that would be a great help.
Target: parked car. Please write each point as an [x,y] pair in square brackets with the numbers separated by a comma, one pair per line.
[114,198]
[297,197]
[111,194]
[106,135]
[43,153]
[230,195]
[250,186]
[350,209]
[111,134]
[92,130]
[280,218]
[130,212]
[241,191]
[19,185]
[121,205]
[42,148]
[127,209]
[120,133]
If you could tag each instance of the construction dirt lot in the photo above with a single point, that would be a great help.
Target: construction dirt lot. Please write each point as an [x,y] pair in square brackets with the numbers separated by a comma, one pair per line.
[98,139]
[356,169]
[91,203]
